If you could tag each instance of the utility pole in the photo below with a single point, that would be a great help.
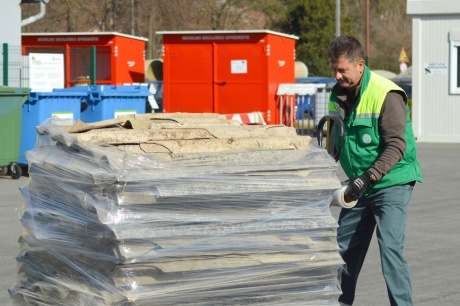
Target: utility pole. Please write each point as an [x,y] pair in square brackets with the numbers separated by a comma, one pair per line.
[337,18]
[132,17]
[367,33]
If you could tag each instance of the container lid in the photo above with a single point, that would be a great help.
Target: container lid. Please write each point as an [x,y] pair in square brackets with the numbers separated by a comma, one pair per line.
[227,32]
[74,34]
[6,90]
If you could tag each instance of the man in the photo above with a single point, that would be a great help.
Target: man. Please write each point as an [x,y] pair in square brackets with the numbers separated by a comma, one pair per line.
[379,157]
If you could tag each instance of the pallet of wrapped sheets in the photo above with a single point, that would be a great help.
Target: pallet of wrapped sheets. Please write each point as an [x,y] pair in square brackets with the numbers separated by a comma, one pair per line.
[177,209]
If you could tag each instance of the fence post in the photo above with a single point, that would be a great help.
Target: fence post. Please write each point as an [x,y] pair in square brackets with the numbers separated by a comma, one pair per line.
[93,65]
[5,64]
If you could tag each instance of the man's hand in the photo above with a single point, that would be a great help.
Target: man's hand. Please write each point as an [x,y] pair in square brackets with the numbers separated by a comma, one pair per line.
[356,187]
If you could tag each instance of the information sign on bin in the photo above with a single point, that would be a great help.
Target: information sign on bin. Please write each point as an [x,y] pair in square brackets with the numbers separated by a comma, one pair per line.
[41,106]
[107,102]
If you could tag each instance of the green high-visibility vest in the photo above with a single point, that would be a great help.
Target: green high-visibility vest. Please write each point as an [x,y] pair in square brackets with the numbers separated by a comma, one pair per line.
[363,143]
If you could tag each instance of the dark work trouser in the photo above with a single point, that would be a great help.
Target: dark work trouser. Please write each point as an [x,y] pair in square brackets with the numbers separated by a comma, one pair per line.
[386,209]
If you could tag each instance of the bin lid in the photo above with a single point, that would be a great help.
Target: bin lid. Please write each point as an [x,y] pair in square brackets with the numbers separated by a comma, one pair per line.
[35,96]
[6,90]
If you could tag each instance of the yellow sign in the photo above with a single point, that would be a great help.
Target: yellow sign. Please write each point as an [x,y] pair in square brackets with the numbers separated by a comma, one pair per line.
[403,56]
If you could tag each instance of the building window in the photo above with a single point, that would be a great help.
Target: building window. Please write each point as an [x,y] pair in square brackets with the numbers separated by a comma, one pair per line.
[454,65]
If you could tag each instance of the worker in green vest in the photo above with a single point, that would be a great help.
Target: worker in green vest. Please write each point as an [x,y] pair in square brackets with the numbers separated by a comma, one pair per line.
[379,157]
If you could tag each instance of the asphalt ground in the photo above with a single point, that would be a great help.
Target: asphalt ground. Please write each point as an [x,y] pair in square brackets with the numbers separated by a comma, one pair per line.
[433,234]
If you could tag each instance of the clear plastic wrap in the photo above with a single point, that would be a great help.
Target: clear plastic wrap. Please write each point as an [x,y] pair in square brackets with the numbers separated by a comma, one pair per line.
[238,227]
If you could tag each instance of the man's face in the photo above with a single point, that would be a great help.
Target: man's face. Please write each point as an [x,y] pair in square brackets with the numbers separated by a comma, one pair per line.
[347,74]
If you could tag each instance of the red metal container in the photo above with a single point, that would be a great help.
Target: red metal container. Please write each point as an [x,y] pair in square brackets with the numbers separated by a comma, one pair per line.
[226,72]
[119,57]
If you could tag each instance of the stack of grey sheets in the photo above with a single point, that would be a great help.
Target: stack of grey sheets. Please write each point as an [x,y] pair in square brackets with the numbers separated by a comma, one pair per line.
[226,215]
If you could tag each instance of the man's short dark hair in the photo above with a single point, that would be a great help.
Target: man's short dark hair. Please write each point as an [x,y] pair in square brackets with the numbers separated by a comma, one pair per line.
[345,45]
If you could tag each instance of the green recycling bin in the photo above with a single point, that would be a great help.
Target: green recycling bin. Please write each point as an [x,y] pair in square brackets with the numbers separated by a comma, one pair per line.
[11,101]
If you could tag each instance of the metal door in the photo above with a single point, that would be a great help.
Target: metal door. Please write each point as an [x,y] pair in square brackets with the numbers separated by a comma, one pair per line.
[189,74]
[239,78]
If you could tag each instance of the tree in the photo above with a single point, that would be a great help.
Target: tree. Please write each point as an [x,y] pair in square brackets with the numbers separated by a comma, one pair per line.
[313,21]
[152,16]
[206,15]
[390,30]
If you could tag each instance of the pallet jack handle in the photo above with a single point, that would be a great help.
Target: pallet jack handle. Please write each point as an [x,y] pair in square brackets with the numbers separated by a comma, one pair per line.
[341,129]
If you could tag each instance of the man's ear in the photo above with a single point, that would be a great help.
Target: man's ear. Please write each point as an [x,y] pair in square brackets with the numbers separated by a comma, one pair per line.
[361,65]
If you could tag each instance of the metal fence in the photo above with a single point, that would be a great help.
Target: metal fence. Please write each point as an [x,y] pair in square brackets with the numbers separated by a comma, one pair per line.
[13,67]
[302,106]
[82,65]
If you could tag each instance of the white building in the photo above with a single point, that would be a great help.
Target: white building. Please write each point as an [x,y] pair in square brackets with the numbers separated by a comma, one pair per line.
[436,69]
[10,22]
[10,38]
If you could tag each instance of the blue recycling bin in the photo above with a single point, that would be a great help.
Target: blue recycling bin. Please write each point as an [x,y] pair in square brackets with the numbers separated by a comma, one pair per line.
[41,106]
[105,102]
